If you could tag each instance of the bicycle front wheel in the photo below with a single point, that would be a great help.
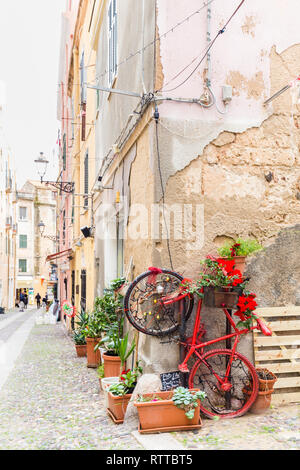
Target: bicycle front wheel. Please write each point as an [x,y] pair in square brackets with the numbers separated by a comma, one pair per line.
[243,380]
[144,310]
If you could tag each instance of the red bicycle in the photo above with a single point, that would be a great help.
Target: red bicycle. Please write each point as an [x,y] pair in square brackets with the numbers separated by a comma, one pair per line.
[155,303]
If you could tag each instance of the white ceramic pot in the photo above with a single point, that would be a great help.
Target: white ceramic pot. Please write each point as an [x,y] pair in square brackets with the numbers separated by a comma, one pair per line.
[105,383]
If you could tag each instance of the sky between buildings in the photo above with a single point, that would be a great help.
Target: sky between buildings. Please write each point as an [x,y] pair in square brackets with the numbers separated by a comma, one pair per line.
[29,55]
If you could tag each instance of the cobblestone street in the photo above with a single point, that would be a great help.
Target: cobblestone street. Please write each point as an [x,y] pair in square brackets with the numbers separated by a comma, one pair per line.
[51,400]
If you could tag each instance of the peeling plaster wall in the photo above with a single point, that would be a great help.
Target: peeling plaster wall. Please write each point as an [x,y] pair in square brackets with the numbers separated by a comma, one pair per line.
[222,161]
[257,29]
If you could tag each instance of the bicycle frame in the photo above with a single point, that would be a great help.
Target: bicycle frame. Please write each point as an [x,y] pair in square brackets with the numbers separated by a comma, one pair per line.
[194,347]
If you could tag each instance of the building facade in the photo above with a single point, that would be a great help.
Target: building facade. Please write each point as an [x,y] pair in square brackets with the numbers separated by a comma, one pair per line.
[8,227]
[76,112]
[185,150]
[36,203]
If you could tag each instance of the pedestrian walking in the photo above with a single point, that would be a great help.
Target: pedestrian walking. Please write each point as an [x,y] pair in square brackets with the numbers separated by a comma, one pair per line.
[38,300]
[25,300]
[21,303]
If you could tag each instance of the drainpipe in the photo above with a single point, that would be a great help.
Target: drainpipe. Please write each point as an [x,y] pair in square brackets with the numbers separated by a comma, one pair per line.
[207,99]
[208,38]
[143,51]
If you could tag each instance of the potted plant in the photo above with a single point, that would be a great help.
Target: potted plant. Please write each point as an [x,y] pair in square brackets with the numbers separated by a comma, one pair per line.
[177,410]
[219,284]
[117,352]
[238,250]
[119,394]
[266,380]
[80,343]
[93,332]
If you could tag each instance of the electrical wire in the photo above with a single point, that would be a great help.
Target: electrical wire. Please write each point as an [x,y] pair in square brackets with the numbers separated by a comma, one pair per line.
[156,117]
[158,38]
[221,31]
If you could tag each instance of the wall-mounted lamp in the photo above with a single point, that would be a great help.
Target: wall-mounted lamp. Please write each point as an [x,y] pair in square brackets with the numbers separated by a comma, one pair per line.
[41,165]
[86,232]
[41,227]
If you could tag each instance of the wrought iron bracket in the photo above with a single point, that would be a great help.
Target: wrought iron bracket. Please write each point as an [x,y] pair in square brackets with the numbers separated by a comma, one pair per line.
[63,186]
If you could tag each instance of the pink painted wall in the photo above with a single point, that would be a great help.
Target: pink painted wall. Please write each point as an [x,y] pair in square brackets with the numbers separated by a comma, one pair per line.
[243,48]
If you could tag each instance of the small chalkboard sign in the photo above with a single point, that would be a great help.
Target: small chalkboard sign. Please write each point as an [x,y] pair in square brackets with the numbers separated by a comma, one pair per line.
[170,380]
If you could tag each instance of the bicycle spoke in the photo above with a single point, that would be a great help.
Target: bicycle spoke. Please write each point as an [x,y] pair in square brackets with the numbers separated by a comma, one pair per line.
[144,309]
[219,401]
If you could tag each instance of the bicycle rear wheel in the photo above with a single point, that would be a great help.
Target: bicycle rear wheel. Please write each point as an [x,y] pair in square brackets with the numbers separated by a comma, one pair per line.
[243,377]
[146,313]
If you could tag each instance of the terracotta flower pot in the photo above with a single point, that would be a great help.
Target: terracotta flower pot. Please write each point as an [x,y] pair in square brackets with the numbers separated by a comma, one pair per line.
[81,350]
[266,384]
[218,297]
[117,407]
[112,365]
[93,357]
[163,415]
[262,402]
[240,263]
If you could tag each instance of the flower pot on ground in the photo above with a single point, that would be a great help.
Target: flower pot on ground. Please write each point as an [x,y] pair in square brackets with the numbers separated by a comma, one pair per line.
[266,379]
[81,350]
[262,402]
[93,357]
[118,400]
[112,365]
[106,382]
[80,343]
[117,352]
[177,410]
[119,393]
[117,406]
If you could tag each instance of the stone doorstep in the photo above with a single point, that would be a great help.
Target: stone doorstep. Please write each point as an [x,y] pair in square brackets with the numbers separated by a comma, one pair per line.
[162,441]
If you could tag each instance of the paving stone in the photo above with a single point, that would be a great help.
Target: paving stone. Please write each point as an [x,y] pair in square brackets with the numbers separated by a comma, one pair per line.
[51,400]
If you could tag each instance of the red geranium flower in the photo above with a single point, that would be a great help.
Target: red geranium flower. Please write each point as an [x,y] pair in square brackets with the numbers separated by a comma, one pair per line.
[227,264]
[124,372]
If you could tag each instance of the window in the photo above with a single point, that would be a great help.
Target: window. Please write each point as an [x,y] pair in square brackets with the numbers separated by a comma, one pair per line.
[23,213]
[22,265]
[86,179]
[23,241]
[112,41]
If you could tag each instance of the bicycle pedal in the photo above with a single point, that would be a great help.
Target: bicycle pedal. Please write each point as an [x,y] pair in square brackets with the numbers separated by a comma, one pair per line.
[183,368]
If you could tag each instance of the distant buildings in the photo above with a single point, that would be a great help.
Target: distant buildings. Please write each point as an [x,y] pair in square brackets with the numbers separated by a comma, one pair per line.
[7,216]
[35,203]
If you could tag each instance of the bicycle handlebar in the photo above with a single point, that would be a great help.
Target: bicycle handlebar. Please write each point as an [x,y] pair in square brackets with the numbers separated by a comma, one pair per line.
[263,328]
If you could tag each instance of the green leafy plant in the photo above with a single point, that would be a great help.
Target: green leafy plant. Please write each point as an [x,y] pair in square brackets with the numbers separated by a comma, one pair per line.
[239,247]
[79,337]
[123,350]
[100,371]
[116,284]
[214,275]
[93,328]
[129,377]
[118,389]
[187,400]
[82,320]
